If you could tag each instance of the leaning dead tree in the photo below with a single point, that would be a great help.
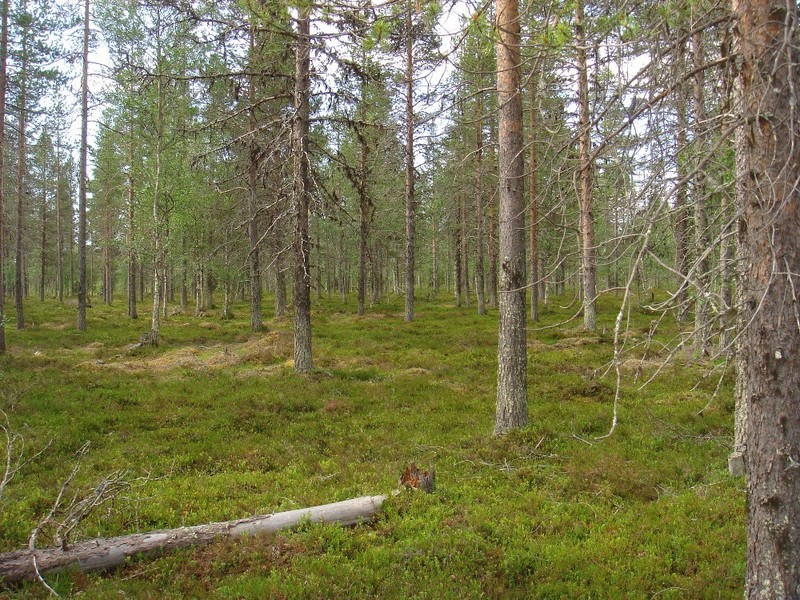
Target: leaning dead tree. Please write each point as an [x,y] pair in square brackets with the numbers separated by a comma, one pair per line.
[107,553]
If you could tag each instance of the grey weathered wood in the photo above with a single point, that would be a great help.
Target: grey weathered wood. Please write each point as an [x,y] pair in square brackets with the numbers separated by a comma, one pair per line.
[106,553]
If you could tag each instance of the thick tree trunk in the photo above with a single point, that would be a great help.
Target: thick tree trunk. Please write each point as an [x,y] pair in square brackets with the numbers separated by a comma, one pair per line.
[409,314]
[589,261]
[3,87]
[84,175]
[302,269]
[107,553]
[770,79]
[512,393]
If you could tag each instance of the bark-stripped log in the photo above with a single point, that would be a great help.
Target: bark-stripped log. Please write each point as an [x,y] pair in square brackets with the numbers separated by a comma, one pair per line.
[106,553]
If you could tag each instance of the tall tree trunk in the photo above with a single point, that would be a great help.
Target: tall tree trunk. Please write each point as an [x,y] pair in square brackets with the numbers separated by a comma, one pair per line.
[364,209]
[589,261]
[256,321]
[302,269]
[737,459]
[681,211]
[512,393]
[701,237]
[410,208]
[59,226]
[108,267]
[43,231]
[770,75]
[532,192]
[158,242]
[84,174]
[480,285]
[3,88]
[131,231]
[21,173]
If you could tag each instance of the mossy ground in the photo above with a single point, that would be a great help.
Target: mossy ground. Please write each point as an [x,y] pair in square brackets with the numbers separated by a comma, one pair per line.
[229,431]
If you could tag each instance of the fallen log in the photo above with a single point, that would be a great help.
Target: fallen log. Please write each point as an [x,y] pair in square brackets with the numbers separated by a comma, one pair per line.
[106,553]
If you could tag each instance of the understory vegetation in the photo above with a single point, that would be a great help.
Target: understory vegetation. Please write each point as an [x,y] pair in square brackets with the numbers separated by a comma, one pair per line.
[213,424]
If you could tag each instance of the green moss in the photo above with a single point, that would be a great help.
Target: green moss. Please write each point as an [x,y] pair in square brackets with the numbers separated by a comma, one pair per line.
[548,511]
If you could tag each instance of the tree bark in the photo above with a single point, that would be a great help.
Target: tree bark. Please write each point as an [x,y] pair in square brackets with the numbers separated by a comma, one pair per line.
[302,269]
[82,183]
[702,326]
[532,193]
[770,77]
[480,285]
[410,208]
[589,260]
[512,394]
[43,230]
[681,212]
[21,173]
[3,88]
[132,310]
[256,321]
[107,553]
[59,226]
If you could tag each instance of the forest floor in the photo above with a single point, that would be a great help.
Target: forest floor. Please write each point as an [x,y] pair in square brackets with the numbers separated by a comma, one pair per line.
[214,425]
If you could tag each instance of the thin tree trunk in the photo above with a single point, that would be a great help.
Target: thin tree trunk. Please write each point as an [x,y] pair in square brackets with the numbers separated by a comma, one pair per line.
[457,256]
[21,172]
[3,88]
[681,211]
[132,310]
[158,250]
[363,211]
[701,242]
[589,261]
[463,237]
[737,460]
[302,270]
[512,394]
[256,321]
[43,231]
[108,282]
[410,207]
[492,281]
[59,226]
[434,256]
[533,199]
[480,285]
[770,73]
[84,176]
